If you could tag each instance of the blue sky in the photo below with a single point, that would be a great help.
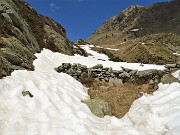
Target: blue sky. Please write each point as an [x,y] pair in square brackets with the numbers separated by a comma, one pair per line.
[81,18]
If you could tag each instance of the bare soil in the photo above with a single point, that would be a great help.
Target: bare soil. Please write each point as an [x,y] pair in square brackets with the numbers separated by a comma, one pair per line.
[120,97]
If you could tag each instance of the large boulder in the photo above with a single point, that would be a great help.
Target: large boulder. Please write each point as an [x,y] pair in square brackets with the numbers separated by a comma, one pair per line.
[98,107]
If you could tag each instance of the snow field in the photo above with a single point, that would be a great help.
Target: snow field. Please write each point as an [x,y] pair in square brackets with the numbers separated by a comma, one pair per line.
[56,108]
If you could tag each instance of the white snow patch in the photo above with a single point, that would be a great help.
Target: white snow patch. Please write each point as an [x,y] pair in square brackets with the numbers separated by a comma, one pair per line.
[134,30]
[112,49]
[177,74]
[176,54]
[56,108]
[143,43]
[108,48]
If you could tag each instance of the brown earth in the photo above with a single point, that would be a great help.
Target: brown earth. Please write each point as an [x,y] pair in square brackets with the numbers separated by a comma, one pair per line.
[150,53]
[120,97]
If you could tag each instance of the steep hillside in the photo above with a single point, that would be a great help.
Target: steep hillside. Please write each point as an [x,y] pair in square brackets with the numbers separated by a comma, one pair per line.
[24,32]
[148,34]
[138,21]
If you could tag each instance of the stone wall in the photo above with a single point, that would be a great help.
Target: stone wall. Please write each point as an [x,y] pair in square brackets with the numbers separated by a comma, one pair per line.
[98,72]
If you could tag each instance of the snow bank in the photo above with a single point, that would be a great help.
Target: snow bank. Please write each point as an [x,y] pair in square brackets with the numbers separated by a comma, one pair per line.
[48,60]
[56,108]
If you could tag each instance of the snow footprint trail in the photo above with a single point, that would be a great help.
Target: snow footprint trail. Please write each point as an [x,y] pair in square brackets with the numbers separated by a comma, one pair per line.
[56,107]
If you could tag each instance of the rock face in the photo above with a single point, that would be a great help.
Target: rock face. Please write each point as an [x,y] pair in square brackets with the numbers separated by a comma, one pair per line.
[100,73]
[24,32]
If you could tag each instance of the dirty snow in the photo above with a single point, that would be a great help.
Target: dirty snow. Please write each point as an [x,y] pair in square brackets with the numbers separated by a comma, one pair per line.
[56,108]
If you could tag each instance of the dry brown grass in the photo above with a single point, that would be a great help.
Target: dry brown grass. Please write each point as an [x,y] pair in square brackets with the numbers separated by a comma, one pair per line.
[120,97]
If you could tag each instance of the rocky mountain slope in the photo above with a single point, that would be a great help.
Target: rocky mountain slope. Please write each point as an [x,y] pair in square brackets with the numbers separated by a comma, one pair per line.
[148,34]
[162,17]
[24,32]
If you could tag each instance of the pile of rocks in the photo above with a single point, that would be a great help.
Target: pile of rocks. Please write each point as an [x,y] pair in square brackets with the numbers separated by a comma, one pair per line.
[98,72]
[80,42]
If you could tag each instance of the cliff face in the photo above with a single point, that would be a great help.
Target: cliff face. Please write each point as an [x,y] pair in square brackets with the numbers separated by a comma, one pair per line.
[163,17]
[24,32]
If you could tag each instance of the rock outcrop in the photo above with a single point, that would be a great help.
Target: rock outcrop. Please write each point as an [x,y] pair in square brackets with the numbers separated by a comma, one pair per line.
[24,32]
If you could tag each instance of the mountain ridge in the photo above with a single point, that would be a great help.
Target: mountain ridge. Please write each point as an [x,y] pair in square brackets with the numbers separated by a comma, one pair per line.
[147,19]
[24,32]
[145,28]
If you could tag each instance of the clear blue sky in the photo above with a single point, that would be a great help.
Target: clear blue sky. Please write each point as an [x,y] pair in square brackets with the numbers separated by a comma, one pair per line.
[81,18]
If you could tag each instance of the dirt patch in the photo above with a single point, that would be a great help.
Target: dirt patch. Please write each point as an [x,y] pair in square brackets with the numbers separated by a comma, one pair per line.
[120,97]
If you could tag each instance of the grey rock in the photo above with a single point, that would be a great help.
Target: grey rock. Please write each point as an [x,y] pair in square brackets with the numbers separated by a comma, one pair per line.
[106,79]
[124,75]
[94,75]
[97,66]
[126,69]
[168,79]
[140,94]
[133,72]
[151,82]
[96,70]
[142,65]
[156,87]
[74,65]
[145,73]
[98,107]
[107,73]
[60,69]
[66,65]
[105,69]
[110,69]
[78,72]
[84,75]
[178,63]
[70,71]
[83,67]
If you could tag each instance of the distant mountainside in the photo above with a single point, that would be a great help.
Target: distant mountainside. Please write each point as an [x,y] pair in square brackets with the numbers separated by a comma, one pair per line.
[163,17]
[148,34]
[24,32]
